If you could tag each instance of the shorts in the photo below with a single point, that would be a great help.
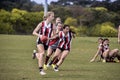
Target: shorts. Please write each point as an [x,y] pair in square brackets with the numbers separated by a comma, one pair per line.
[54,49]
[54,46]
[62,49]
[40,42]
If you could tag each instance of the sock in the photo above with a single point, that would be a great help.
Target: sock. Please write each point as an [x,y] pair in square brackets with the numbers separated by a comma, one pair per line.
[46,60]
[50,62]
[55,61]
[40,69]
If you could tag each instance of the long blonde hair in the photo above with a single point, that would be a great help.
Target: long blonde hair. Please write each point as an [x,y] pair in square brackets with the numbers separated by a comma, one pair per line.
[49,13]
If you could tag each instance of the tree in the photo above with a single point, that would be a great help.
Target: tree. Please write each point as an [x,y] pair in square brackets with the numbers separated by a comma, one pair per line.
[61,12]
[71,21]
[5,25]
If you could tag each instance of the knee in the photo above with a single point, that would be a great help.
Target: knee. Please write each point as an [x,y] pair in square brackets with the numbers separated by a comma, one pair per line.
[116,50]
[41,53]
[107,50]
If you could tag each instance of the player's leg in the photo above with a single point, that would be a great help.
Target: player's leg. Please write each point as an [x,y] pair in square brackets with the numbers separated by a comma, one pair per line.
[40,57]
[49,53]
[56,60]
[62,58]
[105,55]
[118,57]
[114,53]
[56,54]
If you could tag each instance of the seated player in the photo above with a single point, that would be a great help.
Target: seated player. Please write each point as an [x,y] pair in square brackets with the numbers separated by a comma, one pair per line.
[106,54]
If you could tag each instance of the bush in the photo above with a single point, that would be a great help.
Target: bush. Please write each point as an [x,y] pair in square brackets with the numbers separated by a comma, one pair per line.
[5,25]
[105,29]
[83,30]
[74,29]
[71,21]
[95,31]
[108,30]
[6,28]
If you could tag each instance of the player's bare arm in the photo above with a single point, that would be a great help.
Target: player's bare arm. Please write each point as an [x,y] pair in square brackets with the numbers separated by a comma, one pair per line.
[95,56]
[35,32]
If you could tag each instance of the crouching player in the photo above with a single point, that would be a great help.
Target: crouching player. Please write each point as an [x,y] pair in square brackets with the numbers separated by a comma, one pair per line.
[53,45]
[63,47]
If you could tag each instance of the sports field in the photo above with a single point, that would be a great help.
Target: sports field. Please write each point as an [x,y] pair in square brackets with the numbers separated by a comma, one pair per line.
[16,61]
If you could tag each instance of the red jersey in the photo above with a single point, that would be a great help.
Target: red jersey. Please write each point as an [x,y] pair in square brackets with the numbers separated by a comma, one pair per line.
[53,41]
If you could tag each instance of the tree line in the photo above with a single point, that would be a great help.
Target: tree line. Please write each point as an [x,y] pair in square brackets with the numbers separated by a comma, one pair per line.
[86,17]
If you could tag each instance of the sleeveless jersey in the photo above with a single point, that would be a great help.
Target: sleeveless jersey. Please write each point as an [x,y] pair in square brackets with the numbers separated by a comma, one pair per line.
[46,30]
[65,41]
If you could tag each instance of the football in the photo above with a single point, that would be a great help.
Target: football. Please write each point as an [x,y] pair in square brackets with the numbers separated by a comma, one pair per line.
[44,38]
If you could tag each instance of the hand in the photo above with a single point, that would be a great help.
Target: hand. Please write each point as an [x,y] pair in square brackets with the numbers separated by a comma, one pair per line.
[49,39]
[40,36]
[92,60]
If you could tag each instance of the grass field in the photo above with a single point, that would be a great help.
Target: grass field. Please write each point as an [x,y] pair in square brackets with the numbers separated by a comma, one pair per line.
[16,62]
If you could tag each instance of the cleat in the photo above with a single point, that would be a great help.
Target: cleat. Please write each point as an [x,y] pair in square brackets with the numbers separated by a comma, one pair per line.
[104,61]
[48,65]
[53,66]
[34,54]
[118,61]
[42,72]
[56,69]
[45,67]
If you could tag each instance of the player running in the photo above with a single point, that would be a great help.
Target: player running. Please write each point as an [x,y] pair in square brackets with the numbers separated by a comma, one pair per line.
[53,45]
[63,47]
[43,29]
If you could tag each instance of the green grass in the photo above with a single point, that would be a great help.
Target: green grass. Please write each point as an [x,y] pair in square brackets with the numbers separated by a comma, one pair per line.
[16,62]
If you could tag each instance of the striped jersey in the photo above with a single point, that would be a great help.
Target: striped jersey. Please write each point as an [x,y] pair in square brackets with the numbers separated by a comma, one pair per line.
[46,30]
[65,41]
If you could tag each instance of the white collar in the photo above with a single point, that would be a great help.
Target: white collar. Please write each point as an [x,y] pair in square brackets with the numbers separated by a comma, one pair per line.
[47,25]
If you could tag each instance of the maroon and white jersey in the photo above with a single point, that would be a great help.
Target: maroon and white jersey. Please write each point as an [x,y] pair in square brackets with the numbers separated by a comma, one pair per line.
[54,41]
[46,30]
[65,41]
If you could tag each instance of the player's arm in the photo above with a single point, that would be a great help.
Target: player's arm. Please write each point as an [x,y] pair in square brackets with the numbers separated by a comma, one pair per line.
[54,30]
[53,37]
[56,35]
[36,30]
[96,55]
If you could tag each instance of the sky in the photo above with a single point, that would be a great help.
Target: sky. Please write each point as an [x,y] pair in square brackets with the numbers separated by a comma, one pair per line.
[42,1]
